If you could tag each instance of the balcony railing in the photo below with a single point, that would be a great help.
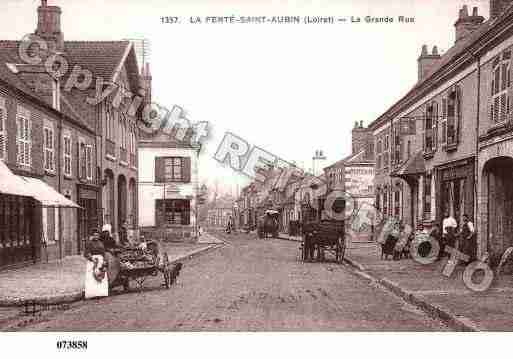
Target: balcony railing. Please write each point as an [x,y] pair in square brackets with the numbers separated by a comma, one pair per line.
[110,148]
[133,160]
[123,155]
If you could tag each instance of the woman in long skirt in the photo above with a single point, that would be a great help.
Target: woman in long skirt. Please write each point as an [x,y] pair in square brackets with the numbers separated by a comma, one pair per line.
[96,279]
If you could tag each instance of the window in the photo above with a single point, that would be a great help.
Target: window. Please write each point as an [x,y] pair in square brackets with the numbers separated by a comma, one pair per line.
[89,162]
[398,145]
[82,160]
[67,155]
[122,130]
[453,116]
[24,137]
[501,82]
[430,127]
[3,132]
[443,122]
[172,169]
[386,151]
[172,212]
[378,154]
[409,149]
[427,196]
[48,149]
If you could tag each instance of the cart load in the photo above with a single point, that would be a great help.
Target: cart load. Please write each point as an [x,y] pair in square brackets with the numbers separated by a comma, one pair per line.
[137,263]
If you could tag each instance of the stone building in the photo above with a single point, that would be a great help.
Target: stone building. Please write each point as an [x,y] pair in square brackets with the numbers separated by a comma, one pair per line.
[168,186]
[84,149]
[427,143]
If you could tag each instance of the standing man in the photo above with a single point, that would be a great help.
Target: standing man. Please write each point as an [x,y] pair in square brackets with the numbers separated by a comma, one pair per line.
[449,226]
[107,226]
[467,238]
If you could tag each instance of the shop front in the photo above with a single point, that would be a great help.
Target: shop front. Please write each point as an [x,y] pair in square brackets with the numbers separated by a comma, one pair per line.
[89,215]
[455,190]
[495,222]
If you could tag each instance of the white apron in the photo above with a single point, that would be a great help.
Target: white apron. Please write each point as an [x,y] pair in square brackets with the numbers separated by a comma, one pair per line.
[93,288]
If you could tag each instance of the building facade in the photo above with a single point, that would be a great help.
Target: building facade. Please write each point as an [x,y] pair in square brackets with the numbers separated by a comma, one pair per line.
[57,130]
[168,186]
[442,148]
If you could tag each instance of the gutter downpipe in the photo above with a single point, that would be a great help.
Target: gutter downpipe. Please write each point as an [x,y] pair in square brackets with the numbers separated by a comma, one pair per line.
[59,181]
[476,160]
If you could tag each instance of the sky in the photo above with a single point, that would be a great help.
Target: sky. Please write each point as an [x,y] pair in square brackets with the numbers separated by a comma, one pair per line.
[289,89]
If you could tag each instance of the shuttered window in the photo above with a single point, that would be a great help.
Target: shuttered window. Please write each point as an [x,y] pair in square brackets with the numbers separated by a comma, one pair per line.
[3,131]
[48,149]
[172,212]
[453,116]
[89,162]
[67,155]
[501,82]
[24,138]
[173,169]
[82,160]
[443,122]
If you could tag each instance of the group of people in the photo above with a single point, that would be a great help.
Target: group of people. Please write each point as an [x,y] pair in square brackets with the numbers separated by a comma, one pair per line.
[96,248]
[462,237]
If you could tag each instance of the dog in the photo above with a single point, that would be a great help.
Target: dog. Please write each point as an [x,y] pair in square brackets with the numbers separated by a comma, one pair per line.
[175,272]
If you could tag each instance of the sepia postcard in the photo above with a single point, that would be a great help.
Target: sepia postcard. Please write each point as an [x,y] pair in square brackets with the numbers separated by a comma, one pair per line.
[298,170]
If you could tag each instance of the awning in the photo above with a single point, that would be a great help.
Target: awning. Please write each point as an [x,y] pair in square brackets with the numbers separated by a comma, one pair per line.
[12,184]
[46,194]
[415,165]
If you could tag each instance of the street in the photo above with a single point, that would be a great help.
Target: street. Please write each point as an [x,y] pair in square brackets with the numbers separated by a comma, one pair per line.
[247,285]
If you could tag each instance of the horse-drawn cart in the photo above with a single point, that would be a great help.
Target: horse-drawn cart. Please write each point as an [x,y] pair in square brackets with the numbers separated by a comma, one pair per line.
[322,230]
[138,263]
[323,237]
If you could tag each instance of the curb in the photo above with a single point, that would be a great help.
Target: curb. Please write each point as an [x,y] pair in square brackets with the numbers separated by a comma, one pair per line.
[456,322]
[289,239]
[78,296]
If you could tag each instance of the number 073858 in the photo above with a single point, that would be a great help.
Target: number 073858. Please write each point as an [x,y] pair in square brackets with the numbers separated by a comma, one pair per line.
[72,344]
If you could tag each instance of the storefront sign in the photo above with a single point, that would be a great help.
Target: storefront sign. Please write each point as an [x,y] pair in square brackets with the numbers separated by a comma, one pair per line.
[456,172]
[87,194]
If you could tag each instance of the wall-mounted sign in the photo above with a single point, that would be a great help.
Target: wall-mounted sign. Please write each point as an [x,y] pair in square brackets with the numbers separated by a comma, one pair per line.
[359,180]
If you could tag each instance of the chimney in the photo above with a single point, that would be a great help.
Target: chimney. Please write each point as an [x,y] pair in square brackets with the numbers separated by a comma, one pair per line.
[49,26]
[466,24]
[359,137]
[426,61]
[497,7]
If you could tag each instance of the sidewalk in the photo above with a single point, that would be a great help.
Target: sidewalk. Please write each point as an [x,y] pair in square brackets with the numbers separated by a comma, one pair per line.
[447,299]
[63,281]
[288,237]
